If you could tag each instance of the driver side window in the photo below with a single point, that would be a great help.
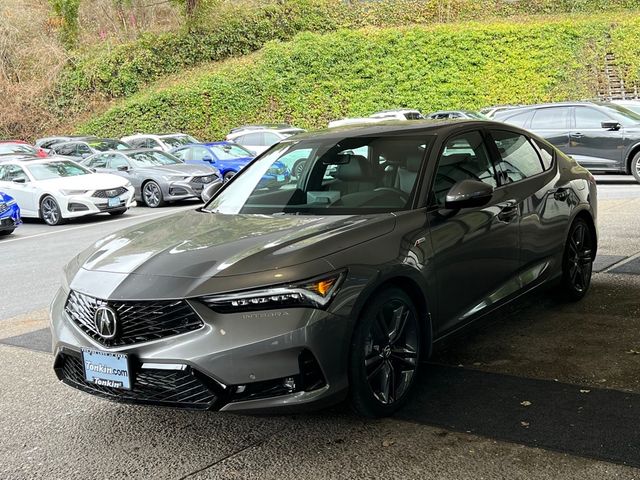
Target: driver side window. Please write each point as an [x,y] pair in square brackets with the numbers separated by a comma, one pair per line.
[464,157]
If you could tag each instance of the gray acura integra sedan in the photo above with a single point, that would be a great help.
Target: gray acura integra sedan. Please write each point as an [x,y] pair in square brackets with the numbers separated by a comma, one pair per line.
[335,285]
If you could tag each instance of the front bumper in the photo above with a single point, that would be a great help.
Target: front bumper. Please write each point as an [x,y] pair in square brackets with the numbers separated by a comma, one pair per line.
[10,218]
[251,362]
[82,205]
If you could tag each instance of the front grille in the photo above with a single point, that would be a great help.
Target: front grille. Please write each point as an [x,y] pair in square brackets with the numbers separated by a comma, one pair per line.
[204,179]
[137,321]
[112,192]
[181,388]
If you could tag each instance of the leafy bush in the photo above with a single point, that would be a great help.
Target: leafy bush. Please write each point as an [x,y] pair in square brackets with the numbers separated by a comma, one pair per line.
[319,77]
[625,45]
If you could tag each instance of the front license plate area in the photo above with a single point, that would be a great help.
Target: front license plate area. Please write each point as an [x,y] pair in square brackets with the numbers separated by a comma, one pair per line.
[106,369]
[114,202]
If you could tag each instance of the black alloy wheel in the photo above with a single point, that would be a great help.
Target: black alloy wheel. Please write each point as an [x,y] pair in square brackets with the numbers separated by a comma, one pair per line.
[577,264]
[152,195]
[635,166]
[385,354]
[50,211]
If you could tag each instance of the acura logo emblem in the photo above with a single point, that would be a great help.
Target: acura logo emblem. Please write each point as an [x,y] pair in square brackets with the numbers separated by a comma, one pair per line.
[112,193]
[106,321]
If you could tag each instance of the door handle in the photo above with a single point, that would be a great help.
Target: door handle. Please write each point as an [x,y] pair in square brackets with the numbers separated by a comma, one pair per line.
[577,135]
[508,212]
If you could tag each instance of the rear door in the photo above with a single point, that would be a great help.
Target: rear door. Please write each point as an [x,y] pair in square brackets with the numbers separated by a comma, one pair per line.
[592,146]
[475,249]
[552,124]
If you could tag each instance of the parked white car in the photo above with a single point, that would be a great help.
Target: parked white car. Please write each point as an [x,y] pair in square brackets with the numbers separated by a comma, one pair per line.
[258,138]
[164,142]
[400,114]
[56,189]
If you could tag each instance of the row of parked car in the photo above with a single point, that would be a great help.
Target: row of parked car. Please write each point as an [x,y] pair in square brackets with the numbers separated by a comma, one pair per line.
[64,177]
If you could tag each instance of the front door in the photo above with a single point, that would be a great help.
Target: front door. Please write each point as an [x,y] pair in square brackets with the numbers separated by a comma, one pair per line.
[475,249]
[592,146]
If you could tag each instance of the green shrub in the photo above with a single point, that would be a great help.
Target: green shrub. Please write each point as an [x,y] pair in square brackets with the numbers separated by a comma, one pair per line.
[625,45]
[319,77]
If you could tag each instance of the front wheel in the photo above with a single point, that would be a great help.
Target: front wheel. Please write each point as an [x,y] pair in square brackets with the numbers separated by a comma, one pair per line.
[577,262]
[385,353]
[635,166]
[50,211]
[152,195]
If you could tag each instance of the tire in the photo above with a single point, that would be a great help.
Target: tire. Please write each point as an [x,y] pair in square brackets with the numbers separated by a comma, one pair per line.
[577,261]
[635,166]
[378,354]
[117,213]
[152,195]
[297,169]
[228,176]
[6,232]
[50,211]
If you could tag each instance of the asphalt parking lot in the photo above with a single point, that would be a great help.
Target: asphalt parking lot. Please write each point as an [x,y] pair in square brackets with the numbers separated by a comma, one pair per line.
[544,390]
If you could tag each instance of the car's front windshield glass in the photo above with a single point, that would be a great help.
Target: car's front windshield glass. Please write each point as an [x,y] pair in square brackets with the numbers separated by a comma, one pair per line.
[230,152]
[49,170]
[153,158]
[179,140]
[105,145]
[8,148]
[336,177]
[623,114]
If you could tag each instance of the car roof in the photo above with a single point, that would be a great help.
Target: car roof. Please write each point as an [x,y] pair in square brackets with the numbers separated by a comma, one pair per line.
[397,126]
[265,126]
[579,103]
[31,159]
[398,110]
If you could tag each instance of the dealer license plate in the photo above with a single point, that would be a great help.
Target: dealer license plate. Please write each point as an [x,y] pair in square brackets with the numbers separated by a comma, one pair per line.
[114,202]
[106,369]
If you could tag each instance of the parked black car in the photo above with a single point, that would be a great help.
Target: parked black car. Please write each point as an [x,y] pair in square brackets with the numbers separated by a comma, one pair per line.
[602,137]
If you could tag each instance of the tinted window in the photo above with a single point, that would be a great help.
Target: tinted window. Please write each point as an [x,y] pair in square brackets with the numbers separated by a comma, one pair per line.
[153,158]
[464,157]
[589,118]
[8,148]
[229,151]
[550,118]
[250,139]
[82,149]
[178,140]
[107,144]
[182,154]
[546,153]
[201,153]
[518,158]
[65,149]
[138,142]
[518,119]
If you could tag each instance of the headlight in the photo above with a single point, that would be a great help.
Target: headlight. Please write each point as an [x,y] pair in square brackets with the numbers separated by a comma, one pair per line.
[68,193]
[314,293]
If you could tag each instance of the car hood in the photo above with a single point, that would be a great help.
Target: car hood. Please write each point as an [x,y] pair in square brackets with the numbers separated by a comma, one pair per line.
[179,169]
[204,245]
[4,198]
[91,181]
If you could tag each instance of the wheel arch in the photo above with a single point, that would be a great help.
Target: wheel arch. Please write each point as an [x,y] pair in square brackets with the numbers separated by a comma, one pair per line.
[41,198]
[635,149]
[588,217]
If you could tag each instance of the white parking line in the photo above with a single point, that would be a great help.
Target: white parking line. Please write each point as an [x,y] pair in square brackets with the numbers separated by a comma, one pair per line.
[79,227]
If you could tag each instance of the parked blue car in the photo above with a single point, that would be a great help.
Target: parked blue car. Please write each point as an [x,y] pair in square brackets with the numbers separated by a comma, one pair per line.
[229,158]
[9,214]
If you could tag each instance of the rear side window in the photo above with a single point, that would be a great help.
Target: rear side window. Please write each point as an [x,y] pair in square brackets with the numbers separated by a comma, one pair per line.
[518,158]
[250,139]
[519,119]
[550,118]
[589,118]
[65,149]
[99,161]
[546,153]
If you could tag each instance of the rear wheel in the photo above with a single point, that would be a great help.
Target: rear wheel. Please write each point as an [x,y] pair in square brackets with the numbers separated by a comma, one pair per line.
[297,168]
[152,195]
[635,166]
[577,263]
[384,356]
[50,211]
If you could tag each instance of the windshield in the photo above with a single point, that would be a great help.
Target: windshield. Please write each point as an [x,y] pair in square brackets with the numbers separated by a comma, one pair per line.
[623,114]
[179,140]
[153,158]
[230,152]
[349,176]
[105,145]
[49,170]
[8,148]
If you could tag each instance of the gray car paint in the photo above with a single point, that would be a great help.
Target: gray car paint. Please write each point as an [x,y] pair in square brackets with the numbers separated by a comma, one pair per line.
[457,266]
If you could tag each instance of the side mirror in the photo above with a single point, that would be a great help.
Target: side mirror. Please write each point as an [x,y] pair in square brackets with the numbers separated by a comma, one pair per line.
[612,125]
[211,189]
[123,168]
[467,194]
[207,158]
[20,180]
